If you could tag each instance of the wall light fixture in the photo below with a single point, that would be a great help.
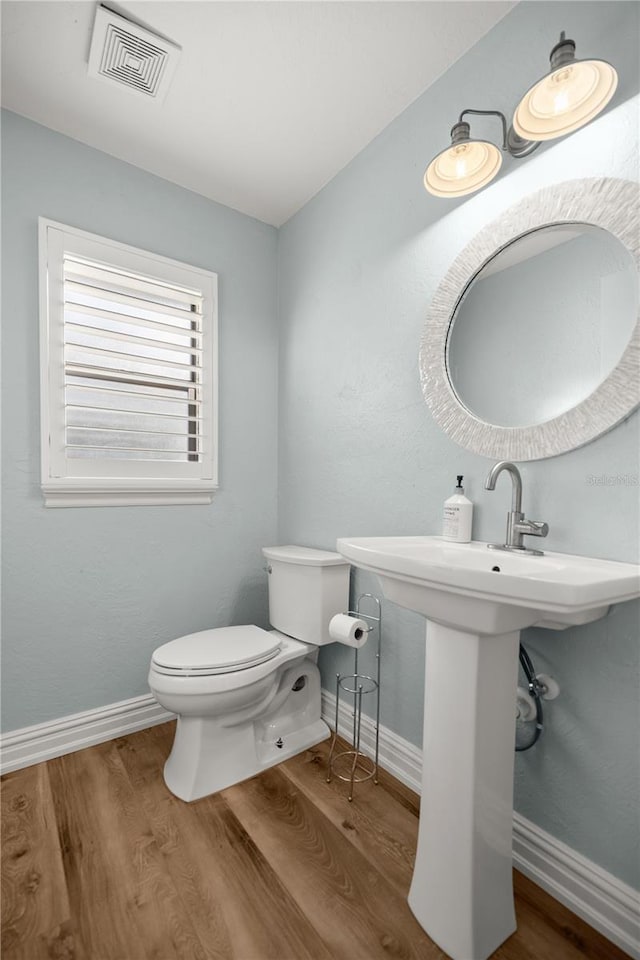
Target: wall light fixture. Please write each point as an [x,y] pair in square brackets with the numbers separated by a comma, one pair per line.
[568,97]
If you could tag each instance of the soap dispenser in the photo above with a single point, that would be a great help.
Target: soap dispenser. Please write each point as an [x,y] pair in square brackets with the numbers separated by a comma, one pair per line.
[458,516]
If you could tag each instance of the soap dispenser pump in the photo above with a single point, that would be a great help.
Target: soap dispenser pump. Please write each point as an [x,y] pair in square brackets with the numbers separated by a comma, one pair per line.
[458,516]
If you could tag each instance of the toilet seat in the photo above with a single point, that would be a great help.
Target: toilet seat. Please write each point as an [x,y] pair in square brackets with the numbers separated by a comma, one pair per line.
[218,651]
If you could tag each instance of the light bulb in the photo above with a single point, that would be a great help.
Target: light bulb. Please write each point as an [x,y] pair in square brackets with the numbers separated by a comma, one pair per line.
[462,168]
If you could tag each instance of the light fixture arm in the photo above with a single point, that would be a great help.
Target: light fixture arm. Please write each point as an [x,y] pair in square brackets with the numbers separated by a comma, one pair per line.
[490,113]
[511,142]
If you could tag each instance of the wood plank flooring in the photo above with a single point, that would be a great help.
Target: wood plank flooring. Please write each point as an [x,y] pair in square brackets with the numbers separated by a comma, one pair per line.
[101,862]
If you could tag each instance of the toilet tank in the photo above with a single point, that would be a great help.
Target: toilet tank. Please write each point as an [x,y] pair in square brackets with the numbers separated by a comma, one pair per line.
[306,588]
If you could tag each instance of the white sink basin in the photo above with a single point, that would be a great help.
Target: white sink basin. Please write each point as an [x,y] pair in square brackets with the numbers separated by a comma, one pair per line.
[495,590]
[476,601]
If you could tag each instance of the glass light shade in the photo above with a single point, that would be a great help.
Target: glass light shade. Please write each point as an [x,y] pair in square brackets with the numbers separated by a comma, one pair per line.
[565,99]
[462,168]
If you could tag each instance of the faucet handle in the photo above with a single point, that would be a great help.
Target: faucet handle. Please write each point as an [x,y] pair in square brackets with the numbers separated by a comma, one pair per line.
[532,528]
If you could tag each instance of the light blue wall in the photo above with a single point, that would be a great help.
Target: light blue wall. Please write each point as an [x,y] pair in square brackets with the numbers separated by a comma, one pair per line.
[89,593]
[361,455]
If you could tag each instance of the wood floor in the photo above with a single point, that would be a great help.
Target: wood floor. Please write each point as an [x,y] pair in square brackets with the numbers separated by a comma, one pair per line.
[101,862]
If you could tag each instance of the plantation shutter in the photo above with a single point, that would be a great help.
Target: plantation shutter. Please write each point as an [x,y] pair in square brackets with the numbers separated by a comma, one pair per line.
[132,366]
[128,374]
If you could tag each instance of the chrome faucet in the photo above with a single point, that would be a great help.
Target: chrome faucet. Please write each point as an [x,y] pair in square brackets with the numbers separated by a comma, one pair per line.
[517,526]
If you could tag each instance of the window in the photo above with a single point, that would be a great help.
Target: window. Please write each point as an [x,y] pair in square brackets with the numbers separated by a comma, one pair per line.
[128,374]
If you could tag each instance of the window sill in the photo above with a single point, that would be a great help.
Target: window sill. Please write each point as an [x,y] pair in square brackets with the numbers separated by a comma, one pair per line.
[74,493]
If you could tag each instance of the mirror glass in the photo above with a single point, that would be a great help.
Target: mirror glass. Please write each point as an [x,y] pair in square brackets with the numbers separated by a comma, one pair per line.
[542,324]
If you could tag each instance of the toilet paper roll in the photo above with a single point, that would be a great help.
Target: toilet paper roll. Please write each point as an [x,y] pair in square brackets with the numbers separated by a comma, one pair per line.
[348,630]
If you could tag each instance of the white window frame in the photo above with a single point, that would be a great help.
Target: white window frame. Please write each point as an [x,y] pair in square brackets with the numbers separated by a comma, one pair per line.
[68,482]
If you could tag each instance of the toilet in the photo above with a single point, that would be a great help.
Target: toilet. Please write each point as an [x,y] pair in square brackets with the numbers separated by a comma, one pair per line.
[248,698]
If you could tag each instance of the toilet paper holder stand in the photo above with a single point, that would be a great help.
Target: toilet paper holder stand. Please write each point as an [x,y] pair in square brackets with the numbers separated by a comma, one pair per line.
[358,766]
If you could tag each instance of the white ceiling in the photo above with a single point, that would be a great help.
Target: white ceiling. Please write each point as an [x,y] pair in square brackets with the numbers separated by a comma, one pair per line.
[269,101]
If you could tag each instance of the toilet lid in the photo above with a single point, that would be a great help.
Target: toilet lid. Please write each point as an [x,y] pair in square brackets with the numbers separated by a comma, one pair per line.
[221,650]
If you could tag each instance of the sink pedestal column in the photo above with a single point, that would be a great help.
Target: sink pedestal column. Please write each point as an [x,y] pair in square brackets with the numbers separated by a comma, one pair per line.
[462,892]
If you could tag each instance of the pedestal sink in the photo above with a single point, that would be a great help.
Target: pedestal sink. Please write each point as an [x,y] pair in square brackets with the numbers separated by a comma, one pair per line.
[476,601]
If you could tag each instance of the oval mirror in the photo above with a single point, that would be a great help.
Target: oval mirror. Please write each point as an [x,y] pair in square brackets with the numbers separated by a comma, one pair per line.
[532,343]
[542,324]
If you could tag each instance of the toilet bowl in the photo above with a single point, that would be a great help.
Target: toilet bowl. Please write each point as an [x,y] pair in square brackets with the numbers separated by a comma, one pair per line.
[248,698]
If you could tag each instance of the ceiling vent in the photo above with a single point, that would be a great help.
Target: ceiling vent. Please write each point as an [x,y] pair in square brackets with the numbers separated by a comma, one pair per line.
[125,53]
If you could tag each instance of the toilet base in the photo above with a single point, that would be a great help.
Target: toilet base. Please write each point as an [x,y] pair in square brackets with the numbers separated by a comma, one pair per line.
[211,753]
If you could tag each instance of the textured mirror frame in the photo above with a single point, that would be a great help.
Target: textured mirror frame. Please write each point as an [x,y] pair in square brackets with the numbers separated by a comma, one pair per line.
[611,204]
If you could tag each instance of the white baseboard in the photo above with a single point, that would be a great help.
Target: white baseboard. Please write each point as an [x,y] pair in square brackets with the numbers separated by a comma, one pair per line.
[592,893]
[603,901]
[22,748]
[607,904]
